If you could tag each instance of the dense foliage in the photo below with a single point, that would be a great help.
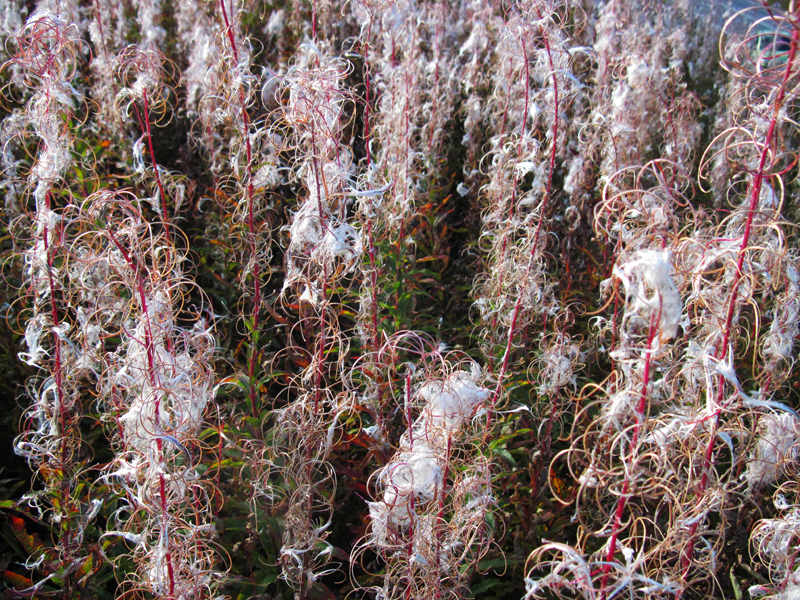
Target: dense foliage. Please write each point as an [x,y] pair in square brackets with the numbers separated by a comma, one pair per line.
[400,299]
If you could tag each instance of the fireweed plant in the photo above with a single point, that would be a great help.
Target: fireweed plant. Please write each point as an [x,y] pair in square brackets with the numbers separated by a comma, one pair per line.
[400,300]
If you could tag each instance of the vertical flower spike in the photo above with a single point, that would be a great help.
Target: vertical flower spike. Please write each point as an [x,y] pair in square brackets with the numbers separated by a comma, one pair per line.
[414,75]
[323,247]
[48,48]
[429,523]
[532,91]
[159,383]
[107,30]
[323,250]
[141,76]
[737,267]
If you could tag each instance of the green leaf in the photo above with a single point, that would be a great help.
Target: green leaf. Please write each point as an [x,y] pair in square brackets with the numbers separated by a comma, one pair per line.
[271,578]
[505,455]
[235,523]
[499,562]
[505,438]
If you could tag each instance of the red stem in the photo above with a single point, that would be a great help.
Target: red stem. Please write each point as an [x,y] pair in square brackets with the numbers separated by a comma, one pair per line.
[251,227]
[721,350]
[63,413]
[543,208]
[155,166]
[640,416]
[155,383]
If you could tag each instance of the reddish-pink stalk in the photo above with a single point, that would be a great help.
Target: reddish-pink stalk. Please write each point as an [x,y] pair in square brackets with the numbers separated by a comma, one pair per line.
[373,274]
[721,351]
[513,201]
[59,378]
[434,95]
[440,516]
[407,169]
[640,417]
[370,237]
[320,184]
[321,343]
[253,358]
[320,359]
[155,383]
[165,214]
[543,209]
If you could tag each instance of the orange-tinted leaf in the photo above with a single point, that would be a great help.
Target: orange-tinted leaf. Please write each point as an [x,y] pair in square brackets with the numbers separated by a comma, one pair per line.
[86,567]
[17,580]
[30,542]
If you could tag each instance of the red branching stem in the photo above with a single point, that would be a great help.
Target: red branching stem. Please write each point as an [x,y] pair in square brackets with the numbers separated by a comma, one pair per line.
[58,374]
[440,522]
[542,210]
[229,31]
[155,383]
[367,131]
[373,275]
[640,417]
[320,183]
[321,344]
[143,299]
[251,226]
[165,214]
[721,351]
